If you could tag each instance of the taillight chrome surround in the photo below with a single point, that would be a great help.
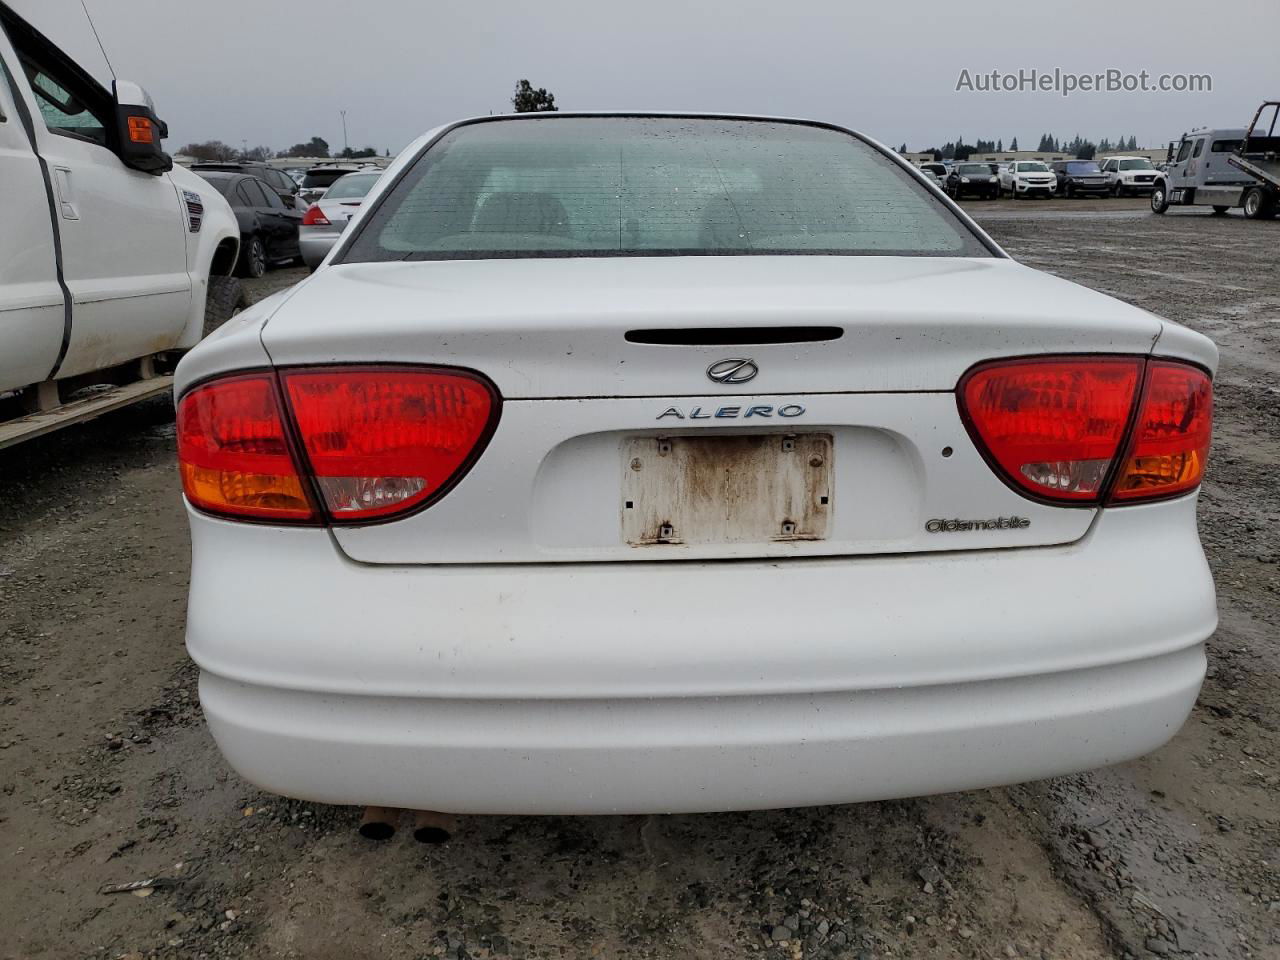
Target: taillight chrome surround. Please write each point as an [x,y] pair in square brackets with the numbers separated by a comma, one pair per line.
[1129,427]
[287,459]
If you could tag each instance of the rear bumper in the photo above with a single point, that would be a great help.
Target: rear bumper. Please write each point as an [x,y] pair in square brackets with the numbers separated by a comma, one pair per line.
[315,244]
[696,753]
[692,686]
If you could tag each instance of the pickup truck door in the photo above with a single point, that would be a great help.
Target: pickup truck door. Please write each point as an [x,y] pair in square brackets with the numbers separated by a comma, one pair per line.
[122,231]
[32,305]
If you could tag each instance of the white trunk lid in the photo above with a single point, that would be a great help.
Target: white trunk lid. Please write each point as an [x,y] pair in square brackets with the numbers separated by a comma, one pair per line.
[583,401]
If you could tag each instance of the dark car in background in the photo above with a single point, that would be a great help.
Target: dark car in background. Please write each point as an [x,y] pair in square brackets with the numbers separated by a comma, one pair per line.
[268,228]
[284,185]
[1080,178]
[972,180]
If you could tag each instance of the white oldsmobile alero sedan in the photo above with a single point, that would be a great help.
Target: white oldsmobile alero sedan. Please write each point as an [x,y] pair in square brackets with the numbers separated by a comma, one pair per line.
[643,463]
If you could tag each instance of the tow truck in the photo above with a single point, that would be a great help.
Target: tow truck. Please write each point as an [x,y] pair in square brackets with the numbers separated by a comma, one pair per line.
[1224,168]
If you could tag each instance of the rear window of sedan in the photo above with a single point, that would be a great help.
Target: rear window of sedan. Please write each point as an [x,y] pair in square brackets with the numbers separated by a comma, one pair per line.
[654,186]
[352,186]
[322,178]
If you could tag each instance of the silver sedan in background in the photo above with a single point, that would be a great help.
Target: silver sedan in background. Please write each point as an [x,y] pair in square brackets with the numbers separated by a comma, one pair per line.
[325,219]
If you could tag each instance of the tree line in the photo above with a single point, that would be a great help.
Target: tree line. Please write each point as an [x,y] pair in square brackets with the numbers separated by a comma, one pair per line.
[315,147]
[526,99]
[1077,147]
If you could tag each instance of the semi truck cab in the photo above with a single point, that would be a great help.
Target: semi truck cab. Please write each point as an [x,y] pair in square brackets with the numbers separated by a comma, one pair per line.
[1200,171]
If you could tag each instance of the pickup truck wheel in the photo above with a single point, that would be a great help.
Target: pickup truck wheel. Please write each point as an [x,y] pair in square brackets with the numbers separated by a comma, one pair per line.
[226,298]
[253,258]
[1159,200]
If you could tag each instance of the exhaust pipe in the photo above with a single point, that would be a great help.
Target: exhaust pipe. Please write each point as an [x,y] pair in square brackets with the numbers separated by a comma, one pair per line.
[430,826]
[379,823]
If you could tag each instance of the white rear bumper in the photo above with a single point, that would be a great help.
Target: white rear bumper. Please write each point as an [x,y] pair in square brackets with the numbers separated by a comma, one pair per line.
[694,686]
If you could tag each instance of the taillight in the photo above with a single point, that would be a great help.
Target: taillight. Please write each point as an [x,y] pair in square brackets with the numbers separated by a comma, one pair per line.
[1055,427]
[1171,436]
[314,217]
[380,441]
[372,442]
[234,453]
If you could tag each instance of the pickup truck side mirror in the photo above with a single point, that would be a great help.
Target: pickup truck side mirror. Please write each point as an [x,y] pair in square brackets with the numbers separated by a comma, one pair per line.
[138,130]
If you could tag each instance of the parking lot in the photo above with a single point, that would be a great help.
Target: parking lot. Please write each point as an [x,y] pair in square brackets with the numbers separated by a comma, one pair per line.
[108,774]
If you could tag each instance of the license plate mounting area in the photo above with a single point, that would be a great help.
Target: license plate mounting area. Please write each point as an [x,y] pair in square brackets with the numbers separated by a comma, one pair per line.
[726,489]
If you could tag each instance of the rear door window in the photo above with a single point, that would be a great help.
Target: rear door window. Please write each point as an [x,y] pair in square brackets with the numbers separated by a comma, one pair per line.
[249,195]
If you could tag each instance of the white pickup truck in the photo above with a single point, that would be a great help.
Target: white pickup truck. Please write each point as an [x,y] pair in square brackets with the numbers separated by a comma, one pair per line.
[111,260]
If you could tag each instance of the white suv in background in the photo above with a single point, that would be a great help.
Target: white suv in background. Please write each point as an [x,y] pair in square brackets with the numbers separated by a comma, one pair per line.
[1027,178]
[1129,175]
[936,172]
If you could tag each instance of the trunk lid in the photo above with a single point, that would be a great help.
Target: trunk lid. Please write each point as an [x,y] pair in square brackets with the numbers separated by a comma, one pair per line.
[863,381]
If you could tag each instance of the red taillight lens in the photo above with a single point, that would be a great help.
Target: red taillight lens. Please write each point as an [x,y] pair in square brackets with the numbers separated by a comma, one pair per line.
[314,217]
[375,441]
[1172,433]
[384,440]
[234,455]
[1054,427]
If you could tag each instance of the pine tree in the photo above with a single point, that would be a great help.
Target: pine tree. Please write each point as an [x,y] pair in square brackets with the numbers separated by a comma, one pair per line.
[1013,144]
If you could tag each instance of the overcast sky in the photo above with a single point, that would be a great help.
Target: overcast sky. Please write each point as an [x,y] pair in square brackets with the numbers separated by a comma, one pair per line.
[276,72]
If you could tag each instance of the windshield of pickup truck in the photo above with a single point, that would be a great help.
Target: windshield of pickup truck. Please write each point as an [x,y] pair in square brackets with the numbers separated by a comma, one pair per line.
[654,186]
[1032,167]
[1140,164]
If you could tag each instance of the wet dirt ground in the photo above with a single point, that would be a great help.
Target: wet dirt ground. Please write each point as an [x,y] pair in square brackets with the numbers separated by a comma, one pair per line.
[108,775]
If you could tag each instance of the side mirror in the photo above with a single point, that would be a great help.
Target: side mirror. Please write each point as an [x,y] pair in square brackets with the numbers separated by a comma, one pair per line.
[138,130]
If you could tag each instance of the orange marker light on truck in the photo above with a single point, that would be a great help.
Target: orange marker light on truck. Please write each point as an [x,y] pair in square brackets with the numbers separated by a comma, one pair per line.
[141,130]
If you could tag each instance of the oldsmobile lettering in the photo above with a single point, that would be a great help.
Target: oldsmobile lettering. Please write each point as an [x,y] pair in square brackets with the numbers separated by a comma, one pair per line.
[995,523]
[788,411]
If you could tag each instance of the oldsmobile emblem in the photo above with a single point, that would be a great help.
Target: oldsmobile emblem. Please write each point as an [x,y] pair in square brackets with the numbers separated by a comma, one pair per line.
[735,370]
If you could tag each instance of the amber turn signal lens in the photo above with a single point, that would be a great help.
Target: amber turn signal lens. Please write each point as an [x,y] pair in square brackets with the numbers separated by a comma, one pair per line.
[141,130]
[1172,434]
[234,455]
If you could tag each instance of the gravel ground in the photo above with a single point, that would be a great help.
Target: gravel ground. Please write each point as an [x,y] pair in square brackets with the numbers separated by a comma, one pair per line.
[107,773]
